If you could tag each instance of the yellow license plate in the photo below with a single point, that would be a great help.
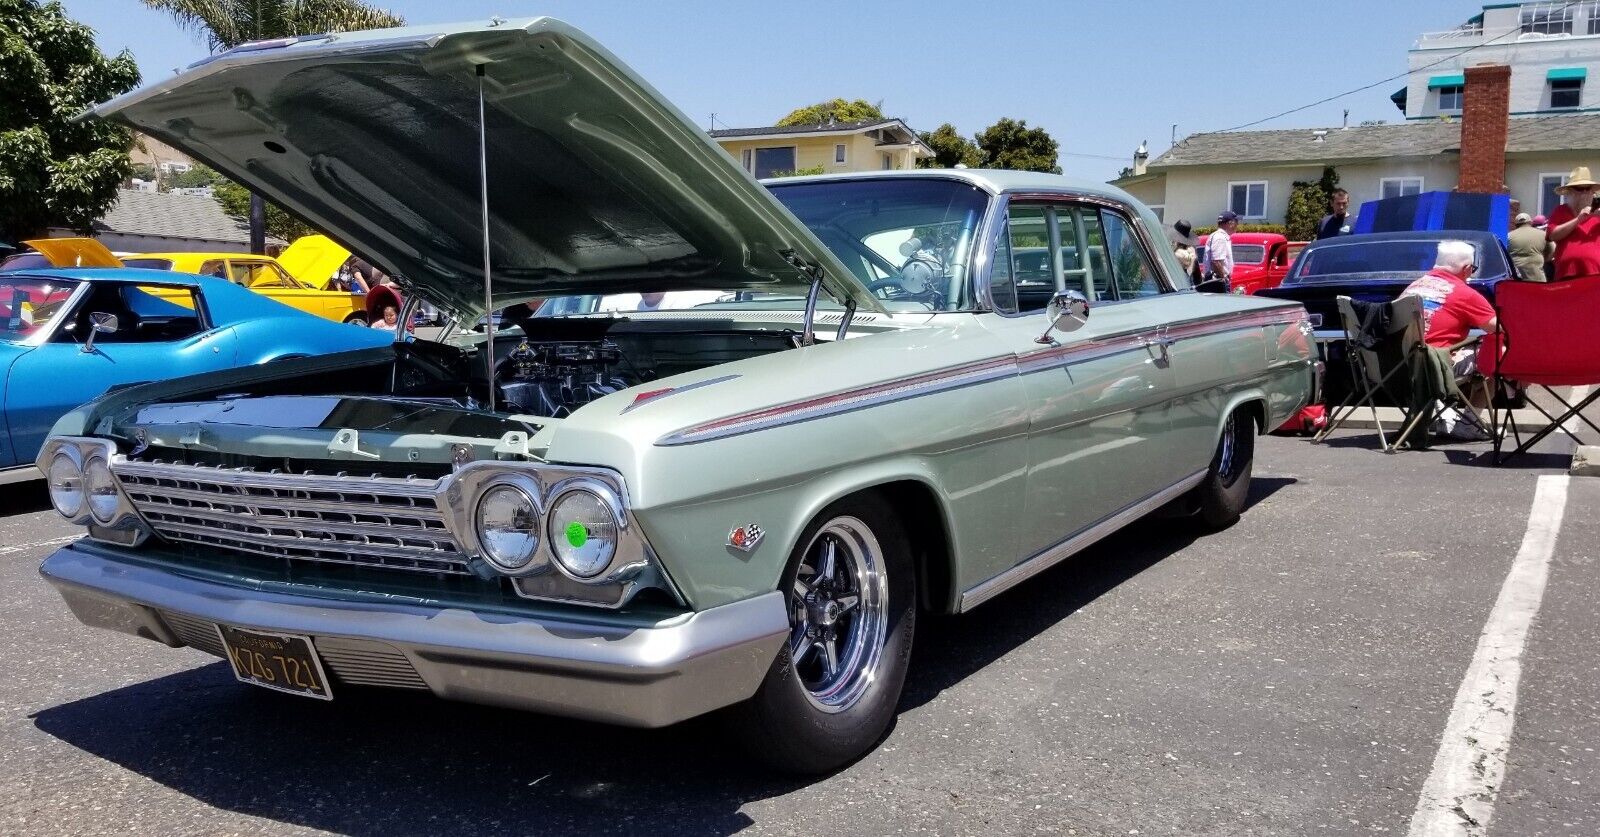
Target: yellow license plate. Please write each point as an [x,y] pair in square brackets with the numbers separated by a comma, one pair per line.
[285,662]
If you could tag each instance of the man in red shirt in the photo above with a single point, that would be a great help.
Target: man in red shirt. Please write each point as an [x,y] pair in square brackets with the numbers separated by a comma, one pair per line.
[1575,228]
[1450,309]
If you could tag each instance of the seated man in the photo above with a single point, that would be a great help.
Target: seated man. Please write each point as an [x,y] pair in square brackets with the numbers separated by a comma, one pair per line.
[1450,310]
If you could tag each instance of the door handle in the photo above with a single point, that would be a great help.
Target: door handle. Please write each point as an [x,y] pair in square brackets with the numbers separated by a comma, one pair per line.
[1161,342]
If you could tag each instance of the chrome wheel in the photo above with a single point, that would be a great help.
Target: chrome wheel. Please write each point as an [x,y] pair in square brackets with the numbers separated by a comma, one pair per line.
[1226,469]
[837,614]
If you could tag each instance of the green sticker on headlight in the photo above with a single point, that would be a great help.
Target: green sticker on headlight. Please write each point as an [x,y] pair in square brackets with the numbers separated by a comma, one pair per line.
[577,534]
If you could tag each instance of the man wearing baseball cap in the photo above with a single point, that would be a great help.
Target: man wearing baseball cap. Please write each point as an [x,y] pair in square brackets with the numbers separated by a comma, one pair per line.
[1219,247]
[1528,248]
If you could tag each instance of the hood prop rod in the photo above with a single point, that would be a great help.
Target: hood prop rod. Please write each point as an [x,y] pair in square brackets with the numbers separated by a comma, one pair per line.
[814,273]
[483,201]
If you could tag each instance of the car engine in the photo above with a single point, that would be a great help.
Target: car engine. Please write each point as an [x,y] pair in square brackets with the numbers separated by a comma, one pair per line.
[553,379]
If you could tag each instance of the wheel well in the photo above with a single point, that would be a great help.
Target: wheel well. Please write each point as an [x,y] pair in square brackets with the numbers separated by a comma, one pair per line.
[926,529]
[1257,410]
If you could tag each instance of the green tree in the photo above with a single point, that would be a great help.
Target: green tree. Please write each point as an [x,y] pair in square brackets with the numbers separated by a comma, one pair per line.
[949,149]
[798,172]
[838,110]
[228,23]
[1308,202]
[1011,144]
[235,201]
[196,177]
[53,171]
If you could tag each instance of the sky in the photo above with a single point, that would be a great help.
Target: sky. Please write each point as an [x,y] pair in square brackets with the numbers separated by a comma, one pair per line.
[1101,77]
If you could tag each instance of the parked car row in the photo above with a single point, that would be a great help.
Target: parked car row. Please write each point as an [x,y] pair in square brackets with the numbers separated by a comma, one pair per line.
[891,403]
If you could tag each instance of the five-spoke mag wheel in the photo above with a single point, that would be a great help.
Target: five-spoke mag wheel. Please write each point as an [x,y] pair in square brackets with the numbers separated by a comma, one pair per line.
[837,614]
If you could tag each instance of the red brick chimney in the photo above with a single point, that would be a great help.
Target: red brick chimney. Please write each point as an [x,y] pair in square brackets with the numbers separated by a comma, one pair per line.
[1485,116]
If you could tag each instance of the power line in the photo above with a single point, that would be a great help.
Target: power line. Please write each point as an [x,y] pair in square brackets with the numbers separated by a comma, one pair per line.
[1517,31]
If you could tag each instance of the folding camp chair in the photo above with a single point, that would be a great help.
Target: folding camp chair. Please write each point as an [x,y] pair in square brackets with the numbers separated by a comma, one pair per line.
[1384,347]
[1549,337]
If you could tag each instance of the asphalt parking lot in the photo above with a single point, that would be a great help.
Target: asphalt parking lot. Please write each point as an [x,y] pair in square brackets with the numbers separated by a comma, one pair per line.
[1292,675]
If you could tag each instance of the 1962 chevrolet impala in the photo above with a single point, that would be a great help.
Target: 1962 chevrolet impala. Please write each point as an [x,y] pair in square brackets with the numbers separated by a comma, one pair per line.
[644,516]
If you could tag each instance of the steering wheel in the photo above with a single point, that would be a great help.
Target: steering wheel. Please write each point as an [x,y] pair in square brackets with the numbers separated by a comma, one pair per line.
[918,277]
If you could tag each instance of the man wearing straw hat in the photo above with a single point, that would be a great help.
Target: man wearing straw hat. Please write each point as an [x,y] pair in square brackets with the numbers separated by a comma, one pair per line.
[1575,227]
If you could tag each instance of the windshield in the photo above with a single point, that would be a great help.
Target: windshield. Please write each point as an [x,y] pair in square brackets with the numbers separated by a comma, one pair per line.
[1392,259]
[910,241]
[28,305]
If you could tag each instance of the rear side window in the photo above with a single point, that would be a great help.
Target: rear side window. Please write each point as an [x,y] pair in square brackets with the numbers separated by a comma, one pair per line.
[214,267]
[1047,248]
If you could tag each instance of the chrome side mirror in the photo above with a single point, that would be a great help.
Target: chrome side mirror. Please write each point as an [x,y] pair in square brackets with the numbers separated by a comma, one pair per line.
[99,324]
[1067,312]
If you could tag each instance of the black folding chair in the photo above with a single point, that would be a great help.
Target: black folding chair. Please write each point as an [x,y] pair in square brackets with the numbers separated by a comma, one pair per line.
[1384,347]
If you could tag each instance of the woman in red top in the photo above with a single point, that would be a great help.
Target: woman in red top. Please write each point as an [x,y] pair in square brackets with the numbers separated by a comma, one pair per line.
[1575,227]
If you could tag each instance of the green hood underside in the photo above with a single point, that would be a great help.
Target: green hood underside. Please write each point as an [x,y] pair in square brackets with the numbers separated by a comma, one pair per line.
[596,183]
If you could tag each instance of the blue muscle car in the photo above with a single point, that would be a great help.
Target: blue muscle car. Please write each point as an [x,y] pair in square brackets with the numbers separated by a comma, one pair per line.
[67,336]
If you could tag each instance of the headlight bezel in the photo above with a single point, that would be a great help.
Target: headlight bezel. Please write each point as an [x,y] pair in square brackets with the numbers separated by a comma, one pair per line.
[528,489]
[633,566]
[74,459]
[123,527]
[609,501]
[89,495]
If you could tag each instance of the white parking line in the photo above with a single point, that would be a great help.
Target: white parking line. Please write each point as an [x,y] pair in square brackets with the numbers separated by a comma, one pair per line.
[1458,797]
[22,547]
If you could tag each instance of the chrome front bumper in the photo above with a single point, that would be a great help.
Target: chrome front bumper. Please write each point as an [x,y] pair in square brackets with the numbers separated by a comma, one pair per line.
[636,676]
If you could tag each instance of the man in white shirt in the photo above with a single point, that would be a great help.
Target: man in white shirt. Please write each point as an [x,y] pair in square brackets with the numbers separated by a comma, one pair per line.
[1219,247]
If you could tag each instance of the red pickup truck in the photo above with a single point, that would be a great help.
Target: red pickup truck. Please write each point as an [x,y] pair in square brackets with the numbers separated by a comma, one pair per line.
[1260,260]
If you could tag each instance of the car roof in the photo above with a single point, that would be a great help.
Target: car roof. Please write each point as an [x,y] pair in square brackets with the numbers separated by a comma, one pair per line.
[116,274]
[193,255]
[1474,236]
[993,181]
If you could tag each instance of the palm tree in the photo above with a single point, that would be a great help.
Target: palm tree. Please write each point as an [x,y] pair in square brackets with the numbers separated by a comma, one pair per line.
[229,23]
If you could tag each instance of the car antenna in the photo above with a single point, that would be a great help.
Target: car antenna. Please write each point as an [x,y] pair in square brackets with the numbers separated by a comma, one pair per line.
[483,200]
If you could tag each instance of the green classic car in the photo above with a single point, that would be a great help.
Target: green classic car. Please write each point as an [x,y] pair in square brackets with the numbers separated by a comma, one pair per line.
[884,402]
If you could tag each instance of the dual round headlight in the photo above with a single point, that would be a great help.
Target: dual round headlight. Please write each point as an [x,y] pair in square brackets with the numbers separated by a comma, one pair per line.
[65,479]
[582,529]
[73,487]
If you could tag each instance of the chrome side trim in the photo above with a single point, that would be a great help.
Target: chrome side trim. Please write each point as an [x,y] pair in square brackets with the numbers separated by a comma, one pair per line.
[844,401]
[1075,544]
[969,374]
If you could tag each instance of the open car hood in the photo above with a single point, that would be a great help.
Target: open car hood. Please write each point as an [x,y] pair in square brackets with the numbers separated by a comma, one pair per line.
[312,259]
[596,183]
[74,252]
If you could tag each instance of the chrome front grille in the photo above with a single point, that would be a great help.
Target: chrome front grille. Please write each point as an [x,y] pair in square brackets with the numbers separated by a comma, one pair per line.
[364,521]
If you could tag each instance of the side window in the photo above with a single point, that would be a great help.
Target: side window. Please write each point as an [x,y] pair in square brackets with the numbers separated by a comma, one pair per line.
[1097,267]
[157,314]
[1002,284]
[1034,279]
[270,275]
[1131,265]
[214,267]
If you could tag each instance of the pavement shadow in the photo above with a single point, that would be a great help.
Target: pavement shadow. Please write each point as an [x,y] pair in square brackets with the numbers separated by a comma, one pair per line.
[398,763]
[951,649]
[23,498]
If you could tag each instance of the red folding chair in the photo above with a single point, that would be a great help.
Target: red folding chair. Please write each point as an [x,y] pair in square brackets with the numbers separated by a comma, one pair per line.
[1549,337]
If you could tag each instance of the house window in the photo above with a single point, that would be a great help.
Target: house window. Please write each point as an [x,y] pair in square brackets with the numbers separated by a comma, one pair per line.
[1566,92]
[838,152]
[1395,187]
[1591,10]
[1248,199]
[1450,98]
[748,166]
[1548,199]
[1160,210]
[772,161]
[1549,18]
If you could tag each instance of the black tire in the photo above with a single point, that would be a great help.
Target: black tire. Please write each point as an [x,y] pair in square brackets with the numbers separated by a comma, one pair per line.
[357,318]
[1223,493]
[785,724]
